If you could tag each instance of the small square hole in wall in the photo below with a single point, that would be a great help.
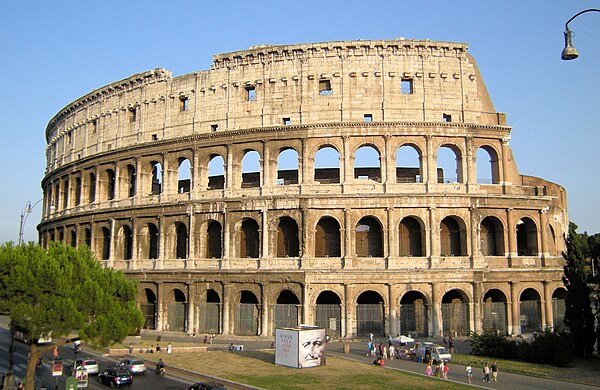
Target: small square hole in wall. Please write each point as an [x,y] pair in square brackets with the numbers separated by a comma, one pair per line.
[447,117]
[184,104]
[132,115]
[214,127]
[154,137]
[406,86]
[368,118]
[287,121]
[251,93]
[325,87]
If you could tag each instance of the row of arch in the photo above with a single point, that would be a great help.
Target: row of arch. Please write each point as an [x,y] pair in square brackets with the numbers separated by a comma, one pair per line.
[148,177]
[149,241]
[414,313]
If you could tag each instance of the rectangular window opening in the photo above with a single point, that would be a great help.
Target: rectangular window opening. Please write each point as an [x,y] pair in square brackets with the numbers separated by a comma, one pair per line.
[184,106]
[447,117]
[251,93]
[94,126]
[325,87]
[406,86]
[368,118]
[214,127]
[287,121]
[132,115]
[154,137]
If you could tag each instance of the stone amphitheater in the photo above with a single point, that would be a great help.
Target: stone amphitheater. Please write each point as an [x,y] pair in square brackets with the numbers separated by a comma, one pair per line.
[362,186]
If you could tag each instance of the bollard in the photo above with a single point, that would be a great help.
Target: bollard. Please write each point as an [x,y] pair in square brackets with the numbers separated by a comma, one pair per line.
[346,347]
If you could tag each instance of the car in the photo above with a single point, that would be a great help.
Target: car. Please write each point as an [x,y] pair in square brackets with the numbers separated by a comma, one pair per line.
[115,377]
[90,364]
[136,366]
[206,386]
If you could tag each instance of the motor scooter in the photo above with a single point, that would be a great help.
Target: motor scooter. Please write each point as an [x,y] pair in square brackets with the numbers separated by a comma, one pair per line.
[160,371]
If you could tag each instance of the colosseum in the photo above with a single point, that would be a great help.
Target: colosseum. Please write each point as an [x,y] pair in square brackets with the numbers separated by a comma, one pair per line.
[362,186]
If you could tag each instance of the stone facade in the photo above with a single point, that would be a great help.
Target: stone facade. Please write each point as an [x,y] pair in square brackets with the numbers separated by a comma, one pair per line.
[271,190]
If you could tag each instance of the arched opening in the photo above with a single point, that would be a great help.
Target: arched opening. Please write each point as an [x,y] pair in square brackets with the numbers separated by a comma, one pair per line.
[413,314]
[327,238]
[214,245]
[184,176]
[286,310]
[559,297]
[329,313]
[530,311]
[449,165]
[110,184]
[327,165]
[455,313]
[92,188]
[126,242]
[487,165]
[131,181]
[369,242]
[410,239]
[408,165]
[250,239]
[287,167]
[181,241]
[247,315]
[73,235]
[177,311]
[367,164]
[491,237]
[251,169]
[210,313]
[148,241]
[552,248]
[88,237]
[495,318]
[287,238]
[526,238]
[105,243]
[216,173]
[148,308]
[156,178]
[370,316]
[450,238]
[77,191]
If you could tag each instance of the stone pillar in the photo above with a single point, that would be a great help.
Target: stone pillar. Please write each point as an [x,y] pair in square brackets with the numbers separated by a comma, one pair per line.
[475,313]
[347,236]
[226,239]
[135,252]
[229,169]
[433,247]
[167,177]
[347,168]
[514,326]
[506,154]
[266,181]
[265,324]
[304,235]
[469,162]
[227,326]
[543,221]
[191,242]
[392,234]
[436,312]
[430,172]
[191,290]
[265,235]
[512,233]
[160,305]
[388,164]
[111,257]
[349,316]
[547,315]
[162,245]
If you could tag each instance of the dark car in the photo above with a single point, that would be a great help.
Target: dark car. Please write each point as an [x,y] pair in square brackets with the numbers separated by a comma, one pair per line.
[115,377]
[206,386]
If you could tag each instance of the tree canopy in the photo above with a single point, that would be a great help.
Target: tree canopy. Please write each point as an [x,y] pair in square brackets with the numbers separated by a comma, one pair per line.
[63,290]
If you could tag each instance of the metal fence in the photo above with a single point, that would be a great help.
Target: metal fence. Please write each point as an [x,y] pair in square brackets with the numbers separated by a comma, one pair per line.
[455,318]
[413,320]
[246,319]
[177,316]
[370,319]
[286,315]
[494,317]
[531,315]
[558,309]
[330,318]
[209,317]
[149,312]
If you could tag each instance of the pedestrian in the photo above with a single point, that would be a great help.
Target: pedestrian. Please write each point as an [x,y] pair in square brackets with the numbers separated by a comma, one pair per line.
[371,337]
[169,348]
[429,370]
[55,352]
[157,348]
[369,348]
[437,370]
[392,352]
[445,370]
[486,372]
[451,345]
[130,348]
[469,371]
[373,349]
[385,352]
[494,371]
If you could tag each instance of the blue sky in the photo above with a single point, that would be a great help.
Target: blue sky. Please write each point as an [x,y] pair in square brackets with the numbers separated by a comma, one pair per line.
[53,52]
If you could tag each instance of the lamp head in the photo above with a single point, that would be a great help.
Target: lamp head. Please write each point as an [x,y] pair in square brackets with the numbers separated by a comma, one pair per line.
[569,52]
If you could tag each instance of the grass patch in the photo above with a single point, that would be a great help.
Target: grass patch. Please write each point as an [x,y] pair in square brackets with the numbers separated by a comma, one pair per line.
[257,368]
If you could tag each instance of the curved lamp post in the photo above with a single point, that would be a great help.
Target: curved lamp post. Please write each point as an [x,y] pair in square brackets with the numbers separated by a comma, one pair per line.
[24,214]
[569,52]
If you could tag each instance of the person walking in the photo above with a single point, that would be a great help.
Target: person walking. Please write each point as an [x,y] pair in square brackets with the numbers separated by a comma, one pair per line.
[445,370]
[429,370]
[494,371]
[469,371]
[486,372]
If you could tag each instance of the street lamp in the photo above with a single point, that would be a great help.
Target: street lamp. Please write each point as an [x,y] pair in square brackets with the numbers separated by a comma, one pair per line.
[569,52]
[24,214]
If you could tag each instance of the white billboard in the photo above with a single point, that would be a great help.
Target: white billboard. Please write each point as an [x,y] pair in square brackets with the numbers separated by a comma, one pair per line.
[300,347]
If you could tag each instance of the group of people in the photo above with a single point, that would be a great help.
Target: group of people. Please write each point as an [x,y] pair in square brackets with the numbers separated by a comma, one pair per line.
[490,372]
[208,338]
[441,369]
[158,348]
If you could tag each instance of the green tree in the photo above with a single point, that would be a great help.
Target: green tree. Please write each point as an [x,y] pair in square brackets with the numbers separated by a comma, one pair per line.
[61,290]
[578,311]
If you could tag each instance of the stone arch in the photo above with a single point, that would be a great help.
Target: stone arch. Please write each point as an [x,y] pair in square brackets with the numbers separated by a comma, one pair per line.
[210,313]
[124,247]
[184,175]
[216,172]
[286,310]
[491,235]
[552,244]
[103,243]
[367,163]
[452,237]
[148,306]
[131,181]
[530,310]
[179,243]
[157,177]
[409,164]
[449,164]
[247,315]
[149,241]
[414,318]
[455,313]
[369,238]
[487,165]
[411,240]
[251,169]
[176,301]
[287,166]
[559,297]
[329,312]
[527,240]
[370,314]
[214,240]
[327,165]
[288,244]
[91,188]
[495,312]
[249,244]
[327,238]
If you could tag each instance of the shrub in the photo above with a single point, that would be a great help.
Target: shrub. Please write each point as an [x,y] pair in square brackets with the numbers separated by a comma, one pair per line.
[493,345]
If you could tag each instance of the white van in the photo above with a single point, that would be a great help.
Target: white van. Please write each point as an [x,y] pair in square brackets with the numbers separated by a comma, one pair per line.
[428,351]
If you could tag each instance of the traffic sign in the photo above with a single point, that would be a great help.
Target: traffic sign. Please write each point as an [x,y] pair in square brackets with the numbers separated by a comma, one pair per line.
[57,367]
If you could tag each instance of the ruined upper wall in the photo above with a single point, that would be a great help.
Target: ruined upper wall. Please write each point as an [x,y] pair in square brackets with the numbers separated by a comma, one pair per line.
[272,85]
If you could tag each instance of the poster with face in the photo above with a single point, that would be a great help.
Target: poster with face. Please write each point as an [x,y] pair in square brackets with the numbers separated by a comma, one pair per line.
[312,348]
